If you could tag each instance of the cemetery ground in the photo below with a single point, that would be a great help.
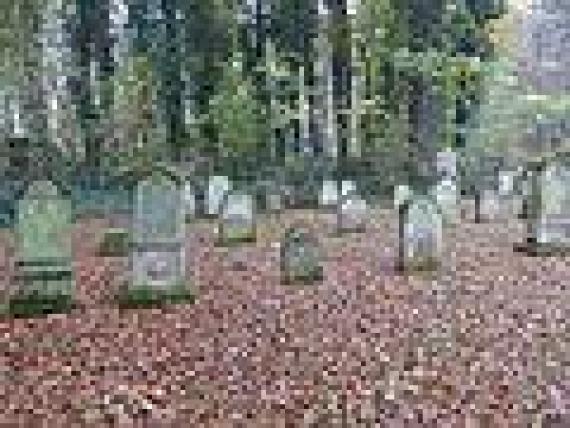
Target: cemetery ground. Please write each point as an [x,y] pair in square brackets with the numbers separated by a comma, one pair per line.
[484,342]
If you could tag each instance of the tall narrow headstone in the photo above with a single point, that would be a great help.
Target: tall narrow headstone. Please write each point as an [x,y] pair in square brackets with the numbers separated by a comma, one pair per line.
[218,186]
[44,253]
[158,234]
[420,235]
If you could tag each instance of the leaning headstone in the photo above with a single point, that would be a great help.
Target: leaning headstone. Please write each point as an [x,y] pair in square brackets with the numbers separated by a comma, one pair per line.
[420,235]
[158,236]
[218,186]
[237,222]
[352,213]
[446,195]
[300,257]
[44,254]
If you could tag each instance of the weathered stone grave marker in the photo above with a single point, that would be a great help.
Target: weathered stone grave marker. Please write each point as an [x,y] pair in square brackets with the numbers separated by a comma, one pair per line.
[329,194]
[300,256]
[157,257]
[237,222]
[44,253]
[218,186]
[446,195]
[552,218]
[352,213]
[420,235]
[547,202]
[189,201]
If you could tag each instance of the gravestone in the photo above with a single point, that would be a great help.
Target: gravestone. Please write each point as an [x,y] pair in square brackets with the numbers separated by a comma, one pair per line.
[446,195]
[352,213]
[420,235]
[402,193]
[446,165]
[237,222]
[489,205]
[300,257]
[329,194]
[553,222]
[347,187]
[158,235]
[218,186]
[44,253]
[189,201]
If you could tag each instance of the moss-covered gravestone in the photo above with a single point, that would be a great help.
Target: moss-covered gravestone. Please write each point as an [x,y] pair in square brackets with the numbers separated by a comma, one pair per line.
[45,280]
[420,235]
[158,233]
[237,219]
[300,257]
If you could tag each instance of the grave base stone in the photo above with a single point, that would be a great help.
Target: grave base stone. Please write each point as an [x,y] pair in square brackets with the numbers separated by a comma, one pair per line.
[237,223]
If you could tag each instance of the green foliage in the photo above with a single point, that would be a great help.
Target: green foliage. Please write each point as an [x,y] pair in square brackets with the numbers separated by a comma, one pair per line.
[36,304]
[115,242]
[236,116]
[144,296]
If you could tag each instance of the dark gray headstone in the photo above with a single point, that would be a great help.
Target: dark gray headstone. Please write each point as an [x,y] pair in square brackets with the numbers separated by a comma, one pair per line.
[300,256]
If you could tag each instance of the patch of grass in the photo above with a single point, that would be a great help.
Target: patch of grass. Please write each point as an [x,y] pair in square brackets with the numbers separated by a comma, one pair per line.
[37,304]
[144,296]
[115,243]
[233,237]
[305,278]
